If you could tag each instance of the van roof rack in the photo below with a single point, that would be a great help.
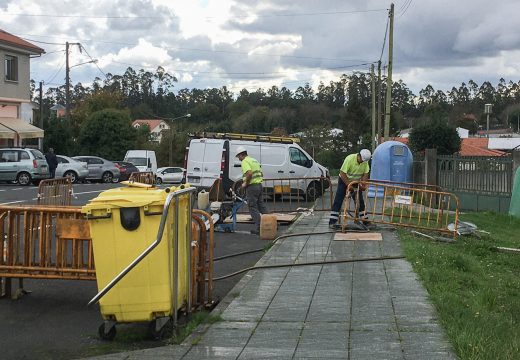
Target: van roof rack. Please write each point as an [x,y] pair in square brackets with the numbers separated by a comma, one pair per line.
[250,137]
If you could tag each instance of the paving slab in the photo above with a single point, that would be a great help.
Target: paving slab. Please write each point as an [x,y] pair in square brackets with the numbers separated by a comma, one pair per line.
[352,310]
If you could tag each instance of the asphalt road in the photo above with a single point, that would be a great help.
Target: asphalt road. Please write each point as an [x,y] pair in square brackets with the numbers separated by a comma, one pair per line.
[53,321]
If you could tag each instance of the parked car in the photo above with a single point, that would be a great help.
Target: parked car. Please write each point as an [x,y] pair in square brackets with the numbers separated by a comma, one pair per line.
[99,168]
[71,168]
[175,175]
[23,165]
[125,168]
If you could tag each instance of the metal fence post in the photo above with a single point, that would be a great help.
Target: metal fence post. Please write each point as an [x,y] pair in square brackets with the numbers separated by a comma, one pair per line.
[430,161]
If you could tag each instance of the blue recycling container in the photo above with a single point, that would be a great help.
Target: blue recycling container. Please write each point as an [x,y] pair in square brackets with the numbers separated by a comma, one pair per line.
[391,161]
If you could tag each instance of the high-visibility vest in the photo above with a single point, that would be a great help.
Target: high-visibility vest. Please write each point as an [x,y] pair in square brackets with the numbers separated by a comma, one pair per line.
[252,164]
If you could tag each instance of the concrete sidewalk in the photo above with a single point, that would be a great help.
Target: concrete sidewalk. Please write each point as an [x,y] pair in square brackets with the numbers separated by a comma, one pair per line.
[363,310]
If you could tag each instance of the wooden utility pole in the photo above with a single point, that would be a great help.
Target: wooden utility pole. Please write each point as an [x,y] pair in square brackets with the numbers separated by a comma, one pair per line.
[67,83]
[379,114]
[389,76]
[374,115]
[67,79]
[40,122]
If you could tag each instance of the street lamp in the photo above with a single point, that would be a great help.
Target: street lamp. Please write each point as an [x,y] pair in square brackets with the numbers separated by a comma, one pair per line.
[170,157]
[487,110]
[67,82]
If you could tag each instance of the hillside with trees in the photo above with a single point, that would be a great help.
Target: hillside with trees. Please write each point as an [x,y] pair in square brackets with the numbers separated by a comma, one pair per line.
[343,104]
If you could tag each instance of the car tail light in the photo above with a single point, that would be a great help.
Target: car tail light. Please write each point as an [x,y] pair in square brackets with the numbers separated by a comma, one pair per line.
[223,161]
[186,157]
[35,164]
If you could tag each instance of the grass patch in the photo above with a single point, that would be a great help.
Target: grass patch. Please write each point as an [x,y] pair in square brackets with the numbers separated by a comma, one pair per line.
[197,319]
[268,246]
[475,289]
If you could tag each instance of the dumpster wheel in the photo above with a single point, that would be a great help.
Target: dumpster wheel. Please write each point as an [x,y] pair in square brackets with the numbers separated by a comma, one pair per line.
[160,328]
[107,336]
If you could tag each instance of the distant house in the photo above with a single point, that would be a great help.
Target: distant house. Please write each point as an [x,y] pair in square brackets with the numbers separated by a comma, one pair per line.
[463,133]
[469,147]
[58,110]
[16,108]
[157,127]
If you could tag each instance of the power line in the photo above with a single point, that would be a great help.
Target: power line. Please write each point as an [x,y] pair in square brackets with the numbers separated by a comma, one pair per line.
[384,40]
[219,51]
[93,61]
[57,72]
[406,8]
[43,42]
[133,17]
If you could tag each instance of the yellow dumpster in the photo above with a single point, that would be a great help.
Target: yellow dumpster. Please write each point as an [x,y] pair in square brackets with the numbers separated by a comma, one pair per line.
[124,222]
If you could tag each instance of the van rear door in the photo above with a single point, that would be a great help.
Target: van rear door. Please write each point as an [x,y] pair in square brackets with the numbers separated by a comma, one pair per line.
[204,162]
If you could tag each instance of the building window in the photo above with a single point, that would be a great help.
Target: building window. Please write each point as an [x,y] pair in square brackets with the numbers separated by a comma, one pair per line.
[11,68]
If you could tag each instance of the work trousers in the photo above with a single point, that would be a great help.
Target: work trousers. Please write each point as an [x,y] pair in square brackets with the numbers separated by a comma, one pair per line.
[256,203]
[338,201]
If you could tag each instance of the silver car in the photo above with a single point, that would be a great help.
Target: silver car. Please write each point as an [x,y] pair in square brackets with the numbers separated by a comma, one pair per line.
[71,168]
[170,174]
[99,168]
[23,165]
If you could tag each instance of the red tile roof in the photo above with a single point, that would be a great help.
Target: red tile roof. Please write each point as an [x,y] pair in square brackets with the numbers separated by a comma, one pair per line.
[468,147]
[152,123]
[15,41]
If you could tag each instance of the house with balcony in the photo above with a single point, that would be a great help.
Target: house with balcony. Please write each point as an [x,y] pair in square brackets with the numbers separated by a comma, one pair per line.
[16,108]
[157,127]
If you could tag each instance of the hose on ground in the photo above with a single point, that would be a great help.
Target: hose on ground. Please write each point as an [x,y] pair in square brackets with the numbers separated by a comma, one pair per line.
[330,262]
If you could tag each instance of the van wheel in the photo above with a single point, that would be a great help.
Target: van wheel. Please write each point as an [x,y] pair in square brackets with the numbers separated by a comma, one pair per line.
[313,191]
[107,177]
[158,181]
[24,178]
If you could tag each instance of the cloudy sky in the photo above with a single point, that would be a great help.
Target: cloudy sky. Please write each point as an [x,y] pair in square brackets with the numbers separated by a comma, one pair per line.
[260,43]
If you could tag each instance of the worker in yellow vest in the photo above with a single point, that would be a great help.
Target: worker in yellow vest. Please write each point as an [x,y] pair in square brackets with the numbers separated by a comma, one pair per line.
[252,178]
[355,168]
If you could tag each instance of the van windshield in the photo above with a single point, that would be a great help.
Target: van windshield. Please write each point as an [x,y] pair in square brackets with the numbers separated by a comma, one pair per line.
[137,161]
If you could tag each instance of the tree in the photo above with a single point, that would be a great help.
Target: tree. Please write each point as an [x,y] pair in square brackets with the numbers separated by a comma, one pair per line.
[107,133]
[435,135]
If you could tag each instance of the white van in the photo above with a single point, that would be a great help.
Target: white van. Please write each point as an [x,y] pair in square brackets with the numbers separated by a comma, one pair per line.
[210,158]
[144,160]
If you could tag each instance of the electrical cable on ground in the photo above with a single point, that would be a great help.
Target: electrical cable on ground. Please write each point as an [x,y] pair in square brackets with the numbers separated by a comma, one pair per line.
[330,262]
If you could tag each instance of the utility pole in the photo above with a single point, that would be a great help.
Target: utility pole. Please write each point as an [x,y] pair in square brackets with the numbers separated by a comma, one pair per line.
[379,118]
[40,123]
[67,83]
[389,76]
[67,80]
[374,123]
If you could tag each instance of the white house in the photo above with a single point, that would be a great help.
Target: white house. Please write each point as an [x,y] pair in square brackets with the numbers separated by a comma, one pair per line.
[156,127]
[16,108]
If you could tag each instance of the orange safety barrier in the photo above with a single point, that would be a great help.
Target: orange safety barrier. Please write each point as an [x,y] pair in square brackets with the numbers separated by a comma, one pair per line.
[55,192]
[402,205]
[285,195]
[143,177]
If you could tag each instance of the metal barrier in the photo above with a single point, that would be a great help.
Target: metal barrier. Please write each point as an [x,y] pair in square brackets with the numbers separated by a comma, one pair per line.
[203,285]
[144,177]
[44,242]
[285,195]
[402,205]
[55,192]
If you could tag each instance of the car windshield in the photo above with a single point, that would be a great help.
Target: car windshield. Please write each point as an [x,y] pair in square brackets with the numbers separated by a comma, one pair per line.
[137,161]
[37,154]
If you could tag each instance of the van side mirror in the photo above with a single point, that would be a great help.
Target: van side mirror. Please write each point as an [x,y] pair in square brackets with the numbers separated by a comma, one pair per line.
[308,163]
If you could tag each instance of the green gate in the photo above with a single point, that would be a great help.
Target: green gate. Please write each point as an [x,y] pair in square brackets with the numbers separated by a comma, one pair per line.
[481,183]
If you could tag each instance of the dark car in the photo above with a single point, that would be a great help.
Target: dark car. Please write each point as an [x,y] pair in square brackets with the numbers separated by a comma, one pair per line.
[126,168]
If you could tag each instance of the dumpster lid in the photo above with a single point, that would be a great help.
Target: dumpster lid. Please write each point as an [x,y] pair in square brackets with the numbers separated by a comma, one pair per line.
[125,197]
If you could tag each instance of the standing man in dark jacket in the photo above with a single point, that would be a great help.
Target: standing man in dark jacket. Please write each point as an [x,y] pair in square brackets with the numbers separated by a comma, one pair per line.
[52,161]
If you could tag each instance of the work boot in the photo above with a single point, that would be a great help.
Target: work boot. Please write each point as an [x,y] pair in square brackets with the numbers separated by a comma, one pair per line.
[255,232]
